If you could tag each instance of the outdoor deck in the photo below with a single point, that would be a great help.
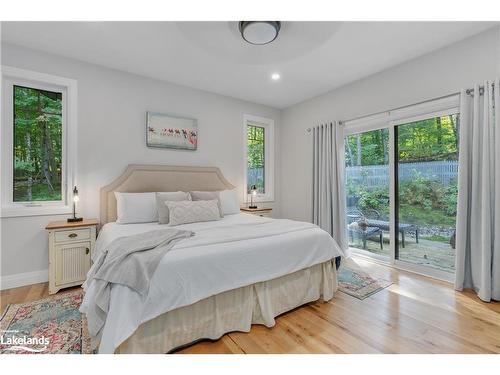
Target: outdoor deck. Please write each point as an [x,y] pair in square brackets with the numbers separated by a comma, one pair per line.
[434,254]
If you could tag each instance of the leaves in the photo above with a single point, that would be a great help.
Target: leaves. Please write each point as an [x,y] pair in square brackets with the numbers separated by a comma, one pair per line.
[255,157]
[37,144]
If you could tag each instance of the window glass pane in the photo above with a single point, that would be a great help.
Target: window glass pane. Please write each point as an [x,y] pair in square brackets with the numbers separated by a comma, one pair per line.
[256,158]
[427,172]
[37,145]
[367,191]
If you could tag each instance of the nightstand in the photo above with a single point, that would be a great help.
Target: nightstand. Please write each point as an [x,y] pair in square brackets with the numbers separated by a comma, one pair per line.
[70,251]
[262,212]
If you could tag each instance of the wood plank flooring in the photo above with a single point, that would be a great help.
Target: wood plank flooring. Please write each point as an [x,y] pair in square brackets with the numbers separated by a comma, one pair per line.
[414,315]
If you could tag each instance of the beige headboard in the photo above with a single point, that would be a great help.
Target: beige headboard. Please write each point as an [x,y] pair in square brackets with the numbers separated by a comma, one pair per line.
[148,178]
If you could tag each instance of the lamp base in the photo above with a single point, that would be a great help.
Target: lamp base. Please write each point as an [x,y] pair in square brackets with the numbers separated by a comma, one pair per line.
[75,219]
[252,207]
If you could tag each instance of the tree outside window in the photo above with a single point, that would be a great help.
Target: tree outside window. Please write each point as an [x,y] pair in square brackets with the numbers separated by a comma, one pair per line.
[256,158]
[37,145]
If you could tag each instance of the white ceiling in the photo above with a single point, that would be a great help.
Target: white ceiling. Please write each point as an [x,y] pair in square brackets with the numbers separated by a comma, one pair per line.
[311,57]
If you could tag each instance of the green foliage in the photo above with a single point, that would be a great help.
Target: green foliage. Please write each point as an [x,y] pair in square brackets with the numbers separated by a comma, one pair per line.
[37,144]
[24,167]
[432,139]
[449,199]
[40,190]
[422,201]
[372,148]
[425,201]
[256,157]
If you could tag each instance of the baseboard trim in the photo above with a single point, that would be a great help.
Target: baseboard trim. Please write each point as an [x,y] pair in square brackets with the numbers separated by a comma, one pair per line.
[23,279]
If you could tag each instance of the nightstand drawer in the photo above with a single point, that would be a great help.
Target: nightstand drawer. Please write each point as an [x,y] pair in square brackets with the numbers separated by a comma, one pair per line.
[72,235]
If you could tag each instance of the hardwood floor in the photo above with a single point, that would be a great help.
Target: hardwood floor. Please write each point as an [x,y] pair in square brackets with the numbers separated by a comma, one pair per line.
[414,315]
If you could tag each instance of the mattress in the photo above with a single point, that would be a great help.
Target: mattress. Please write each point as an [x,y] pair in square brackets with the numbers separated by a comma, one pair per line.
[197,268]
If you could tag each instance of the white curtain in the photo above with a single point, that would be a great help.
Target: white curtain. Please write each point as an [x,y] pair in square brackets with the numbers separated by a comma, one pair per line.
[328,181]
[478,213]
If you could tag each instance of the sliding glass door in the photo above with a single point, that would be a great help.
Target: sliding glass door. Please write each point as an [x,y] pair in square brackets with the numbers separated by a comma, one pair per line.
[401,191]
[426,191]
[367,190]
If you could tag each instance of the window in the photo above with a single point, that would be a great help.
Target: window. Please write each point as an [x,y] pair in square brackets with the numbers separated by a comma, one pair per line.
[401,186]
[256,157]
[37,150]
[259,157]
[37,130]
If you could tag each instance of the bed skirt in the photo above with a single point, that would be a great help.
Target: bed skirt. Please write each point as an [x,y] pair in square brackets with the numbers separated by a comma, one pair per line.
[234,310]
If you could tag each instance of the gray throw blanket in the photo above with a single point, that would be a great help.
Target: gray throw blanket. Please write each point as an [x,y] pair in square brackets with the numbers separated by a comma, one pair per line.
[129,261]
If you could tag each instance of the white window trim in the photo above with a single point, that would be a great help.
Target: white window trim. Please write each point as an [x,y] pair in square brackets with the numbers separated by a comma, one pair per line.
[269,146]
[69,144]
[423,110]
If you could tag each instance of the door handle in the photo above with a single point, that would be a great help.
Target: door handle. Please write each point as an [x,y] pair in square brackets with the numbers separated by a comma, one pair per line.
[87,251]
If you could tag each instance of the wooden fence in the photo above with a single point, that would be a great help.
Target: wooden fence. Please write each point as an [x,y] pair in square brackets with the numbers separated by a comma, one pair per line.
[444,171]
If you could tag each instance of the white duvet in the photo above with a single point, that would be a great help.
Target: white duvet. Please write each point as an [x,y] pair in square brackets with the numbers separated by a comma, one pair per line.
[236,251]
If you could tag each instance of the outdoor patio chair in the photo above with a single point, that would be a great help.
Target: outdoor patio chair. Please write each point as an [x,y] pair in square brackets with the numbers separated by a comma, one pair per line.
[365,234]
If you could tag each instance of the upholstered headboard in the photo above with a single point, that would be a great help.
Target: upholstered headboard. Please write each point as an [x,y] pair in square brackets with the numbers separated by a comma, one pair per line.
[149,178]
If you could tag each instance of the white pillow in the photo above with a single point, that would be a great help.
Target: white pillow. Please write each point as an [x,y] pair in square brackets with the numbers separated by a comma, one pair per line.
[229,202]
[183,212]
[206,196]
[136,208]
[161,198]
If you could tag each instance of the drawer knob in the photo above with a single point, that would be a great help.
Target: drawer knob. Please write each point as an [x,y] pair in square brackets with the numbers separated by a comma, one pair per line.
[87,251]
[72,235]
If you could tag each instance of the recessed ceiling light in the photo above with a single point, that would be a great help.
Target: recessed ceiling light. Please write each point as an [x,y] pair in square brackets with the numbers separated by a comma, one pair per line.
[275,76]
[259,32]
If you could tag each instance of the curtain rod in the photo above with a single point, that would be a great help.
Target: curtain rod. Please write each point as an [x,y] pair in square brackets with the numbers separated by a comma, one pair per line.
[467,91]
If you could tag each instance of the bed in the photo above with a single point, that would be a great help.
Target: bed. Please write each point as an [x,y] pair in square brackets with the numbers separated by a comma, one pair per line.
[233,273]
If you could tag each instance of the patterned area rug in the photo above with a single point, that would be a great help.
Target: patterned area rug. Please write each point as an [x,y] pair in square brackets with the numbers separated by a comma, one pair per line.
[48,326]
[359,284]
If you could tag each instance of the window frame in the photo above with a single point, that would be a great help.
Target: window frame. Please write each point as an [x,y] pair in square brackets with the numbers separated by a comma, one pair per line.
[390,120]
[268,125]
[11,77]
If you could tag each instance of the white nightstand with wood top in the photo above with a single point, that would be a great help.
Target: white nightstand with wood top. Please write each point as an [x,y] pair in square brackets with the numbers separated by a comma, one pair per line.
[261,211]
[70,251]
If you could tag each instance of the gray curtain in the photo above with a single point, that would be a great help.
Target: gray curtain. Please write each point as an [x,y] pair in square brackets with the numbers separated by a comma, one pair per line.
[328,181]
[477,258]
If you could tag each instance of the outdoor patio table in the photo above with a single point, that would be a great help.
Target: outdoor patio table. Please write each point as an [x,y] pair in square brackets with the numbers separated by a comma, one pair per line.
[384,225]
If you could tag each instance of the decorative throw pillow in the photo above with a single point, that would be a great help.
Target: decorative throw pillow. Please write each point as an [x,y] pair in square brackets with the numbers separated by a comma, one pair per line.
[135,208]
[207,196]
[184,212]
[161,198]
[229,202]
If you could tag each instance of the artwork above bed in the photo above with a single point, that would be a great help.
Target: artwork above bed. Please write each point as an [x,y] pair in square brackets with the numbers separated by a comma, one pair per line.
[167,131]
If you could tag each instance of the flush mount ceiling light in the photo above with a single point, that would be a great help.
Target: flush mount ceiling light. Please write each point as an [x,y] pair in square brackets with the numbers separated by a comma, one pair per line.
[275,76]
[259,32]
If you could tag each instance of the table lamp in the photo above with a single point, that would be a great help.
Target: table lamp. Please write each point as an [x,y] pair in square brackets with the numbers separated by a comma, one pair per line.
[75,199]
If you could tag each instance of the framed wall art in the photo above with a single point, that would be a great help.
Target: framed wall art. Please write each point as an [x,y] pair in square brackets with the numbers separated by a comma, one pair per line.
[168,131]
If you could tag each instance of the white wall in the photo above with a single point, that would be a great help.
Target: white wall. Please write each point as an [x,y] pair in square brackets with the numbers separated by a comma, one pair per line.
[112,107]
[439,73]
